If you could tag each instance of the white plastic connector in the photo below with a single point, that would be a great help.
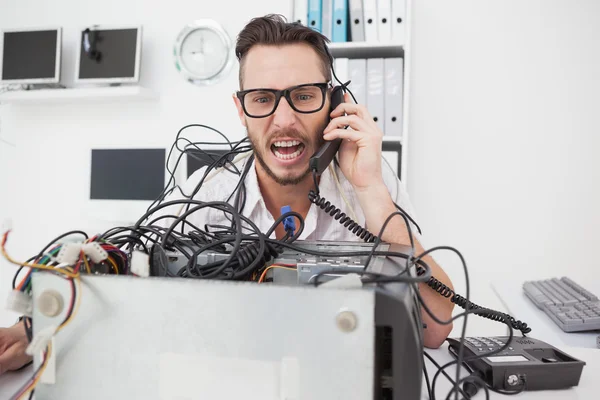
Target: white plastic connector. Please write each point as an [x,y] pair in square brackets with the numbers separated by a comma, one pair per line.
[95,252]
[140,264]
[20,302]
[40,340]
[69,253]
[349,281]
[6,225]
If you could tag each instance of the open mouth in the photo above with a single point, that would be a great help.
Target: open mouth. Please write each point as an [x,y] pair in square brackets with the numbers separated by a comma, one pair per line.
[287,149]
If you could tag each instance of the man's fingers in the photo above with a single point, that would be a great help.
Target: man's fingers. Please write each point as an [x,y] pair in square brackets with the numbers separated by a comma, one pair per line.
[353,121]
[343,134]
[351,108]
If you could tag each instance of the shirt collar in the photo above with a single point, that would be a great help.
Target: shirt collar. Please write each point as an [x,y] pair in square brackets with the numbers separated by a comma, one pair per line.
[254,197]
[253,193]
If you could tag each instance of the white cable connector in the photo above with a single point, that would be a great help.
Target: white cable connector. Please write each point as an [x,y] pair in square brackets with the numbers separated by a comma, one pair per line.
[95,252]
[20,303]
[140,264]
[40,340]
[69,253]
[349,281]
[6,225]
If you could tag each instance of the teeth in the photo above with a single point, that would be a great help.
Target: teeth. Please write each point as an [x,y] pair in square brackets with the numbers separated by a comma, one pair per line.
[288,143]
[287,156]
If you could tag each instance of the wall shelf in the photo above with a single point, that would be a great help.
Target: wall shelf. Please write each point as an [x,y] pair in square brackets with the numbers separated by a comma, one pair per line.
[77,95]
[366,50]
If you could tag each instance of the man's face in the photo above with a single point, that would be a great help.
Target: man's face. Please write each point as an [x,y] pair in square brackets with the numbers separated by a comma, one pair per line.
[284,141]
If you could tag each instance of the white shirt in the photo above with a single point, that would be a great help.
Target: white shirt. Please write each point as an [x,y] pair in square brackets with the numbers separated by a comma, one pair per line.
[319,225]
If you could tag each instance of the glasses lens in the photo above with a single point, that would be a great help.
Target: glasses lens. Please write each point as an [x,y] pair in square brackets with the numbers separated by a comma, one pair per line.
[307,98]
[259,103]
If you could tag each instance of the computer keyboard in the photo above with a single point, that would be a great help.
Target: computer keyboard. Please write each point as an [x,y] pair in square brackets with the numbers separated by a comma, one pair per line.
[570,306]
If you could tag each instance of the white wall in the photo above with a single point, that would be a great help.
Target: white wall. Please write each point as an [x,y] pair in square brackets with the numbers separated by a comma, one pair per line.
[44,180]
[504,126]
[505,129]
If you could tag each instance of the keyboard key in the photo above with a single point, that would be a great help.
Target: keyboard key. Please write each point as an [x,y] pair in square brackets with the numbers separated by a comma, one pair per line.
[562,317]
[573,321]
[551,292]
[537,295]
[580,289]
[573,292]
[591,320]
[549,295]
[564,294]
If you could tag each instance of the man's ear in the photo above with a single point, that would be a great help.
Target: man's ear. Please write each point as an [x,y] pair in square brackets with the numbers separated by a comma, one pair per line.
[240,109]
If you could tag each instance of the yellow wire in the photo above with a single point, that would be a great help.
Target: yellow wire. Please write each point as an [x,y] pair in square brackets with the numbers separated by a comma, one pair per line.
[60,327]
[114,265]
[85,261]
[264,274]
[36,266]
[77,303]
[41,372]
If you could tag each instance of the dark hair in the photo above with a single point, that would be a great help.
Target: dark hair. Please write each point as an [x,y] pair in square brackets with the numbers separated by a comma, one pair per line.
[273,29]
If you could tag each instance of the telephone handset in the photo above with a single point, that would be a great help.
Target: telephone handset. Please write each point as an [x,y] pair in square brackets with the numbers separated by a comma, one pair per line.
[323,157]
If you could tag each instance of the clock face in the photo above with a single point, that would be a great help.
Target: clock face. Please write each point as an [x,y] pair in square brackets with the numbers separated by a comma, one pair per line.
[202,52]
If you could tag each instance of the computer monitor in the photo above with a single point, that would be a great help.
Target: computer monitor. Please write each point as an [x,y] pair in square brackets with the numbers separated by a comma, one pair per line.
[30,56]
[127,174]
[197,159]
[109,55]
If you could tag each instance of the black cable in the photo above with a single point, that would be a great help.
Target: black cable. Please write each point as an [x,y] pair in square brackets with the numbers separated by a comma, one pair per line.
[340,216]
[427,380]
[433,283]
[437,365]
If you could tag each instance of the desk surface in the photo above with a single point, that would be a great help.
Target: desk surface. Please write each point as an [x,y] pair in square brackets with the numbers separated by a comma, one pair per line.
[587,388]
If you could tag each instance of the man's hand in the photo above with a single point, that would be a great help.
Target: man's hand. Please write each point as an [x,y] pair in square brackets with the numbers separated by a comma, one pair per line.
[360,153]
[13,342]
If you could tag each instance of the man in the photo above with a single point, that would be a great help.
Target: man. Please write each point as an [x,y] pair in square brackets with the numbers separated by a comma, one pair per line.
[277,55]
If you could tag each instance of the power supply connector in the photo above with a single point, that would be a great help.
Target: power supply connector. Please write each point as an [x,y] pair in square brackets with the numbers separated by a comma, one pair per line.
[20,303]
[69,253]
[41,340]
[95,252]
[140,264]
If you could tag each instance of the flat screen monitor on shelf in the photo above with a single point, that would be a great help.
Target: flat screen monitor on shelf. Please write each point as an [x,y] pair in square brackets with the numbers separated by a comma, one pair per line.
[30,56]
[109,55]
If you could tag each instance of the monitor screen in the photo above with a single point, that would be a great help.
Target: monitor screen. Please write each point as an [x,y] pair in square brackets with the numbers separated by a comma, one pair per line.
[197,159]
[110,55]
[31,56]
[127,174]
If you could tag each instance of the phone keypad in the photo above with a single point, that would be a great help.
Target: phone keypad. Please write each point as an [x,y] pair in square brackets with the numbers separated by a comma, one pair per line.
[483,344]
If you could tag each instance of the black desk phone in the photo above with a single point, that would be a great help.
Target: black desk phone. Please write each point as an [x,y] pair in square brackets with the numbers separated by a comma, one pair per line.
[527,364]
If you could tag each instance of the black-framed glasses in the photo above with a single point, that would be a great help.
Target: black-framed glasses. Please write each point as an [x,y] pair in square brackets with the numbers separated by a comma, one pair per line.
[306,98]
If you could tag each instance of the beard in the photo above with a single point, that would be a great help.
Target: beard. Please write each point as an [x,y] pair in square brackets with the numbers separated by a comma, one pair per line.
[311,143]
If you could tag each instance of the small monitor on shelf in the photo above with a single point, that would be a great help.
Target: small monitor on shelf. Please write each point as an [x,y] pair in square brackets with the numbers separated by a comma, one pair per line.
[30,56]
[109,55]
